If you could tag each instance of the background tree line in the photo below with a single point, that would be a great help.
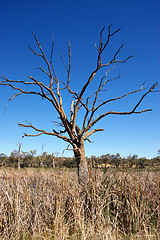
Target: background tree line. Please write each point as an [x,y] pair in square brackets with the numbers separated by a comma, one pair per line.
[31,159]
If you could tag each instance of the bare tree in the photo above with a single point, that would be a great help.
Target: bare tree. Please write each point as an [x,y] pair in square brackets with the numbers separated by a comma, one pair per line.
[19,144]
[53,160]
[90,105]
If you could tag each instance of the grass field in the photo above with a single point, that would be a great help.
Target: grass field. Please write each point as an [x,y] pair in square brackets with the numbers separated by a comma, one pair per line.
[50,204]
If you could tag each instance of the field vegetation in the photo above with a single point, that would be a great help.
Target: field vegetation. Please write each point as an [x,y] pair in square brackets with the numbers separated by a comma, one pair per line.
[50,204]
[104,162]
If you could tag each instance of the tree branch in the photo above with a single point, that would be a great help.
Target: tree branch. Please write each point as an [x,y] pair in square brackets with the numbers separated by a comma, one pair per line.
[41,131]
[87,134]
[101,48]
[123,113]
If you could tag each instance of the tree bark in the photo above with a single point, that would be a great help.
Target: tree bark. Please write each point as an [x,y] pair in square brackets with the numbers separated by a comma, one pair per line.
[53,161]
[19,164]
[82,166]
[19,155]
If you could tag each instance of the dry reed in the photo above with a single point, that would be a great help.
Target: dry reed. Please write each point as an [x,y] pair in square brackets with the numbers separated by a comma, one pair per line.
[47,204]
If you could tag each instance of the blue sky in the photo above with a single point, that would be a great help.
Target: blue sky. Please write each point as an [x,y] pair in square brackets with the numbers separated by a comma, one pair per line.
[80,22]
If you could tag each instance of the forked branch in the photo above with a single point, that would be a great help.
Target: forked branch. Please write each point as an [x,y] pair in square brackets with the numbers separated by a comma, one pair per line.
[133,111]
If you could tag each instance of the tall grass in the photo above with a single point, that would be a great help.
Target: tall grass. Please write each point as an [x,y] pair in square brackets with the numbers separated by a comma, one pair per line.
[47,204]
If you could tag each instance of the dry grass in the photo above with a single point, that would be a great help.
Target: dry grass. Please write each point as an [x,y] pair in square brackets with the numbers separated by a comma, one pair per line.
[47,204]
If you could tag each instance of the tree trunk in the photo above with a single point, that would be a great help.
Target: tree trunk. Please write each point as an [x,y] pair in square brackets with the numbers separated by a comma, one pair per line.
[19,160]
[19,164]
[82,166]
[53,161]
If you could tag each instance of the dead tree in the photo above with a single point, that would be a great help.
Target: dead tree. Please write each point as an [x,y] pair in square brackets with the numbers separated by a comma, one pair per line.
[53,161]
[19,144]
[90,105]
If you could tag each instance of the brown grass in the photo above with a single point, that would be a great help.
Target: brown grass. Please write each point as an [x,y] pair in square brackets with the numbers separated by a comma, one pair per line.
[47,204]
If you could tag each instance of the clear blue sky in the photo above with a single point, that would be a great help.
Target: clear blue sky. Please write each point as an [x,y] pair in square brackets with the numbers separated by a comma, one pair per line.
[80,22]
